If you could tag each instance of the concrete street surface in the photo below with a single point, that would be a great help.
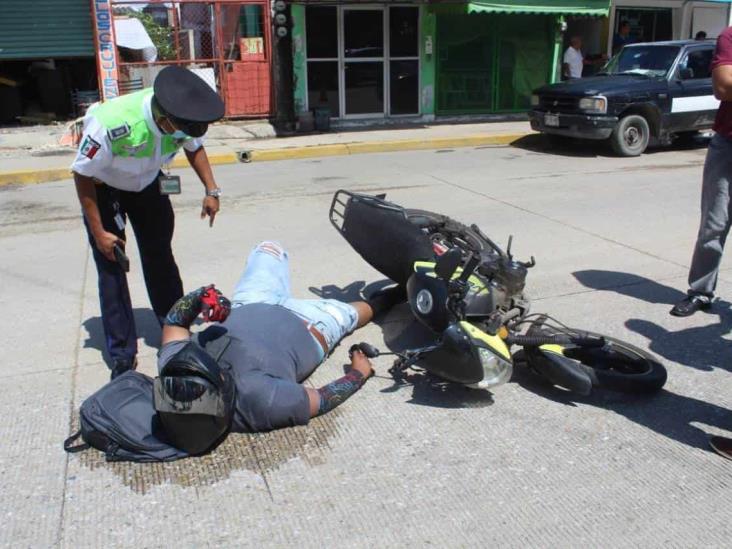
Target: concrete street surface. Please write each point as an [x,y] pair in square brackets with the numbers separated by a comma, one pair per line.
[422,464]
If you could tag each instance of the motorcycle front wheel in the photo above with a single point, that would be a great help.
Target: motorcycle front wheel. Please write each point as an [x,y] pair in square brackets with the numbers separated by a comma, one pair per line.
[617,366]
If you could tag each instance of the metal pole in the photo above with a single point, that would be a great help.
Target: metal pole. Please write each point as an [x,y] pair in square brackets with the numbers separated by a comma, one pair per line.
[282,67]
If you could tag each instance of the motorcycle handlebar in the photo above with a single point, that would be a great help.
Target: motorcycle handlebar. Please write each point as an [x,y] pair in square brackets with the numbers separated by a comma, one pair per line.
[536,341]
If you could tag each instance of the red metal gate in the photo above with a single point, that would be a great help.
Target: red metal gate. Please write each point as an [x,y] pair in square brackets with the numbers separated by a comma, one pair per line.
[225,42]
[246,52]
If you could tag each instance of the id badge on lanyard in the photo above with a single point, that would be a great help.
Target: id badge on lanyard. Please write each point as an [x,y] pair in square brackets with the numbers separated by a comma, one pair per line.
[169,184]
[119,220]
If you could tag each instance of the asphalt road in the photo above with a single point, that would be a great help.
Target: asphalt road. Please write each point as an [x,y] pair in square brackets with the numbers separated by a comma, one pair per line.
[415,465]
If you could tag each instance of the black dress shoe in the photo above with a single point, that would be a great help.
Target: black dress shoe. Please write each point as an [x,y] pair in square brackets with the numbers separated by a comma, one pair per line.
[722,445]
[689,305]
[122,365]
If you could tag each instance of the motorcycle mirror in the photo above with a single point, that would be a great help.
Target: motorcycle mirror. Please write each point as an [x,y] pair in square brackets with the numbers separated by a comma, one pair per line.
[448,263]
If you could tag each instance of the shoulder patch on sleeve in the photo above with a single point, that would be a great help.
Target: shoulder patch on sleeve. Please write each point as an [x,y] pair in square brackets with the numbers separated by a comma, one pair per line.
[119,132]
[89,147]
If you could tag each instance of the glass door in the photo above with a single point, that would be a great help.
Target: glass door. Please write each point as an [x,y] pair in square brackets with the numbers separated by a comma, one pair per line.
[403,74]
[362,62]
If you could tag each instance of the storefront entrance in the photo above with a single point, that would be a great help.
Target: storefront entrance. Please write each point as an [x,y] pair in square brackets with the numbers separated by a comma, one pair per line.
[363,61]
[490,63]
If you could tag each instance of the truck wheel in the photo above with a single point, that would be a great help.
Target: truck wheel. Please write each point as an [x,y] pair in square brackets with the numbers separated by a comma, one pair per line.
[630,137]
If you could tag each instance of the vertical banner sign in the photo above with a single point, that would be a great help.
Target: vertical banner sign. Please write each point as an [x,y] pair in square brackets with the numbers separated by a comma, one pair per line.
[107,66]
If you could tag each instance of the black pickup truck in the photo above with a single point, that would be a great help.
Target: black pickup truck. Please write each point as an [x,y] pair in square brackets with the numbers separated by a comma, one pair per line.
[655,90]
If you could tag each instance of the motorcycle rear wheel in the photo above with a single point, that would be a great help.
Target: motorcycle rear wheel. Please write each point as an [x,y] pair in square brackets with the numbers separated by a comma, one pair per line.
[456,233]
[618,366]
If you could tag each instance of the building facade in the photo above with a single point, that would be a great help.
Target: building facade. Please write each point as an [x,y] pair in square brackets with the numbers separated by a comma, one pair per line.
[656,20]
[415,60]
[352,60]
[392,60]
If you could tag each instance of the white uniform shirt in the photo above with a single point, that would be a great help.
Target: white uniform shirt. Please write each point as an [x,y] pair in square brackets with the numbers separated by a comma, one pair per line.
[574,59]
[120,172]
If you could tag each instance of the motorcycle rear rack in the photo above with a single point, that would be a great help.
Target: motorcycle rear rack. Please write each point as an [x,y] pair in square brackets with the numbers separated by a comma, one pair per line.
[342,198]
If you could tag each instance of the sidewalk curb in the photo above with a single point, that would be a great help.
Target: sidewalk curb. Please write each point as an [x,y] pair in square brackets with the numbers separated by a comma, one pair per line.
[32,177]
[339,149]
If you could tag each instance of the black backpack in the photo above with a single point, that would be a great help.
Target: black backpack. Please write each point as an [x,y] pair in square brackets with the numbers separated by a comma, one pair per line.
[120,420]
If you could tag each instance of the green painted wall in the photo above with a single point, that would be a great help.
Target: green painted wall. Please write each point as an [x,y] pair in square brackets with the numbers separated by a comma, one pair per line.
[427,62]
[297,15]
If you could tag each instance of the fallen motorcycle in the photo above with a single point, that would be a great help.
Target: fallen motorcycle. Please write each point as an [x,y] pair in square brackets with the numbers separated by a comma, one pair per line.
[470,293]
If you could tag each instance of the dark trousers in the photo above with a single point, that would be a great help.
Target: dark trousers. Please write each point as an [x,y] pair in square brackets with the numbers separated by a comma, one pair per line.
[152,218]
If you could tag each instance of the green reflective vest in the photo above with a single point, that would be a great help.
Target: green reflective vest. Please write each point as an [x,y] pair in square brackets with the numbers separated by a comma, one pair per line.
[128,131]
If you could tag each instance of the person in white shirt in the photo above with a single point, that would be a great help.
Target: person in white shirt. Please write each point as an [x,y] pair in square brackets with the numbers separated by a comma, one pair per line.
[574,60]
[117,172]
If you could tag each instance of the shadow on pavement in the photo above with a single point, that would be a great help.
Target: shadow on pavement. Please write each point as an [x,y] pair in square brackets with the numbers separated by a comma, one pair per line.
[700,347]
[355,291]
[563,146]
[587,148]
[665,413]
[429,390]
[632,285]
[146,324]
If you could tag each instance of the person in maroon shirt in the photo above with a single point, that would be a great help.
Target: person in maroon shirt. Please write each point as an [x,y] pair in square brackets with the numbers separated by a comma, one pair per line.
[715,202]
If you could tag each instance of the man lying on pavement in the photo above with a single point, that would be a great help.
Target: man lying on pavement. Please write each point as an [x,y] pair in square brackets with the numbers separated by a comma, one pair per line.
[248,369]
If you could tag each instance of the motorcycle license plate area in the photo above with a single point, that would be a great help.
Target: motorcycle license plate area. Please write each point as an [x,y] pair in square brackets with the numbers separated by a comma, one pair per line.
[551,119]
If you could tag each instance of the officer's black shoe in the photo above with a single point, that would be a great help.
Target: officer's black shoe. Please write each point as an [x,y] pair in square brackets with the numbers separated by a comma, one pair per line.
[122,365]
[691,304]
[722,445]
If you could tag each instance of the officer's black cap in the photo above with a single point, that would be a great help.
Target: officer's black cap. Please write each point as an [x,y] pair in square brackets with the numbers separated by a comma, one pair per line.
[186,97]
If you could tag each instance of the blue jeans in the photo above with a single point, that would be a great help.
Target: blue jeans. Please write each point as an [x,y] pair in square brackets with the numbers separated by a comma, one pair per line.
[266,279]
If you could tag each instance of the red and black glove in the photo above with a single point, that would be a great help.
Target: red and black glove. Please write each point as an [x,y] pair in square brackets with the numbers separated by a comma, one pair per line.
[214,306]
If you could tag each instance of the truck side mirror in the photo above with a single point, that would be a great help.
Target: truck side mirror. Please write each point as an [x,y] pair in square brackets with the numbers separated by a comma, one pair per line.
[686,74]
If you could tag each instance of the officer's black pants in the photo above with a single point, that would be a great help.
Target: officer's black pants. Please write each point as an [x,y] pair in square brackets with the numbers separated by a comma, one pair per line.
[152,218]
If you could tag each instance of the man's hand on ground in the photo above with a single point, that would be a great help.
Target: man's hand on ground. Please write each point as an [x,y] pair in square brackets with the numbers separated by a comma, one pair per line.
[105,242]
[361,364]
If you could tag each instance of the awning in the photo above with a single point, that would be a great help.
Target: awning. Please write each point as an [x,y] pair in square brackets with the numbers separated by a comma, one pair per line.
[556,7]
[569,7]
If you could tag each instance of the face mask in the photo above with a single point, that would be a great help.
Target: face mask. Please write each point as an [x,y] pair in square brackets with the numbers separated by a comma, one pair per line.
[177,134]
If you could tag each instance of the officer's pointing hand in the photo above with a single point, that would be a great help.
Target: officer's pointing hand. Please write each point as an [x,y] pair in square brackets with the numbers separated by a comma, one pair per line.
[210,209]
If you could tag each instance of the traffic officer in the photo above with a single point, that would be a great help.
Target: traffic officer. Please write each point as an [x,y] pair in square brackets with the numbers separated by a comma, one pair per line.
[127,141]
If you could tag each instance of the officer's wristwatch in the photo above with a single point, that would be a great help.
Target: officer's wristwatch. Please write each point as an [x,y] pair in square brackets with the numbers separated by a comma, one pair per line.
[214,192]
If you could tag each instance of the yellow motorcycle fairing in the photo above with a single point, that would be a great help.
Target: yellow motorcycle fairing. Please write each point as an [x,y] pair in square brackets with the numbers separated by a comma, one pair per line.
[494,343]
